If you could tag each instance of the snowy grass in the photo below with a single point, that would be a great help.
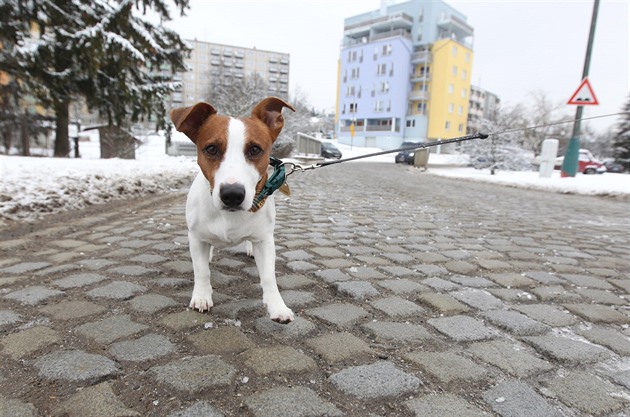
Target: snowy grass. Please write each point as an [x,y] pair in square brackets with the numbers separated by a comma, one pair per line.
[32,187]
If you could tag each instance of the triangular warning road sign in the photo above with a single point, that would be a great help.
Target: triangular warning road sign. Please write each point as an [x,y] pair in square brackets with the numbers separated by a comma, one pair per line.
[584,95]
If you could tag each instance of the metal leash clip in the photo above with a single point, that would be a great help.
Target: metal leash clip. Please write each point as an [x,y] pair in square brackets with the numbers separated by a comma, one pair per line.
[291,167]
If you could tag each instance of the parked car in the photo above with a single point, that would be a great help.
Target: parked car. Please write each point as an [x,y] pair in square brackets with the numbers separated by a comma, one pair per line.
[587,164]
[612,166]
[406,157]
[329,150]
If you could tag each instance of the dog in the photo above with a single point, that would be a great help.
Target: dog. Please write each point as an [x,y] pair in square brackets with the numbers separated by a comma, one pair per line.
[233,156]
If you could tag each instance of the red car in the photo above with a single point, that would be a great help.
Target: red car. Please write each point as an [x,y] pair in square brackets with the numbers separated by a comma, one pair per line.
[587,164]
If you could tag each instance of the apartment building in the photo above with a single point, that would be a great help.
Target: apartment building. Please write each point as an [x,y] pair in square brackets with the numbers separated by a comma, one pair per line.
[404,74]
[483,105]
[211,63]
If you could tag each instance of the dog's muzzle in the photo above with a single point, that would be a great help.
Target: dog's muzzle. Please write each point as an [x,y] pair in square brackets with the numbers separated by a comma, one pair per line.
[232,196]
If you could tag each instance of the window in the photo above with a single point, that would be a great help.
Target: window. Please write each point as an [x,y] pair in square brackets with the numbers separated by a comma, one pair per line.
[385,87]
[467,56]
[460,128]
[352,108]
[378,105]
[451,88]
[464,74]
[451,107]
[391,70]
[454,51]
[460,110]
[447,125]
[422,108]
[454,70]
[463,93]
[420,15]
[381,69]
[411,123]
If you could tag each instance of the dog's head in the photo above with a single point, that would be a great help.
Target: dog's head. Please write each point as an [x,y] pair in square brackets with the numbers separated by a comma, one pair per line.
[233,154]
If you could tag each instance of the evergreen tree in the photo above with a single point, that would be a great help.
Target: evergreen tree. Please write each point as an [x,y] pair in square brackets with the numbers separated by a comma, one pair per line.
[622,136]
[101,50]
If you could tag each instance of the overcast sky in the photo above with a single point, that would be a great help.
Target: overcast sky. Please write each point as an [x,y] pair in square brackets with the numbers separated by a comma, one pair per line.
[519,46]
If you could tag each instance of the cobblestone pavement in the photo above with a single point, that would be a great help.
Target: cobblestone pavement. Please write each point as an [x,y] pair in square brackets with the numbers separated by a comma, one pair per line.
[415,295]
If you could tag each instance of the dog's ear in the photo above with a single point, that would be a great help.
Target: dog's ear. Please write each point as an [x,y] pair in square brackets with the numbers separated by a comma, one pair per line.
[188,120]
[269,111]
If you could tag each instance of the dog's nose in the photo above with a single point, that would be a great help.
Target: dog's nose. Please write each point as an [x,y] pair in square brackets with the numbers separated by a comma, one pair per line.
[232,195]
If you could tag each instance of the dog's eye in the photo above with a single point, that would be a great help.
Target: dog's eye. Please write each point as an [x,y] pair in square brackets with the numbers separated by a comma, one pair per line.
[211,150]
[255,150]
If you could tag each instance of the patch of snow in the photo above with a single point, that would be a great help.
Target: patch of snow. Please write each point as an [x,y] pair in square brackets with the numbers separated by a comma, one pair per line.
[608,184]
[31,187]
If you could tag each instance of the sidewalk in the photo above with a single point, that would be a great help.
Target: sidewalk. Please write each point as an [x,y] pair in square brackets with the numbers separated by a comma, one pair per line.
[413,296]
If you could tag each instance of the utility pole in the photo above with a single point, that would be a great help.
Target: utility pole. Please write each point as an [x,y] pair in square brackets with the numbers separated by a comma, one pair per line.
[570,163]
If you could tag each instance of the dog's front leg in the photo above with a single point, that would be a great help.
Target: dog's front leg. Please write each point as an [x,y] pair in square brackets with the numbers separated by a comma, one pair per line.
[265,256]
[202,292]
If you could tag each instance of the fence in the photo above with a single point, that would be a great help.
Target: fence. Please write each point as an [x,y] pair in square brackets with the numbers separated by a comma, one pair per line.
[306,144]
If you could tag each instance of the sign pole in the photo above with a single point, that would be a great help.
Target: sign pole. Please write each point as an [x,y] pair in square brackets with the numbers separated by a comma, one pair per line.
[570,163]
[351,134]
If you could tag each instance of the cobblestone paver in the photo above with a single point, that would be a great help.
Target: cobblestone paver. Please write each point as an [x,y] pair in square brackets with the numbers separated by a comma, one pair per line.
[414,296]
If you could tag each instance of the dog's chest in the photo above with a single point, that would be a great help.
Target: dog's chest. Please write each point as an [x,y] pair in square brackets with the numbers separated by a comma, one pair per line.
[221,234]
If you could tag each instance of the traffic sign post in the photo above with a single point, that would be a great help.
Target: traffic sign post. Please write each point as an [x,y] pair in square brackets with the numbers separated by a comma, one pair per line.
[570,162]
[351,135]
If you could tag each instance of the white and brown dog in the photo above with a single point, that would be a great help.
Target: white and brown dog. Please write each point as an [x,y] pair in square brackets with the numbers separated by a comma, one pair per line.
[233,155]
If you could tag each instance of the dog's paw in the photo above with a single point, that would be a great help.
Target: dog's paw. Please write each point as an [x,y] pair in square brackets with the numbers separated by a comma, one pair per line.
[201,302]
[249,248]
[281,315]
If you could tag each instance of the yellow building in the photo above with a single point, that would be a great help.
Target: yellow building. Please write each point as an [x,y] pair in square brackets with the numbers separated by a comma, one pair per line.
[449,89]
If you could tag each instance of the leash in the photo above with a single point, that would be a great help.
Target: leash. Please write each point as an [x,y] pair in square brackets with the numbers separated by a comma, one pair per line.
[297,167]
[277,180]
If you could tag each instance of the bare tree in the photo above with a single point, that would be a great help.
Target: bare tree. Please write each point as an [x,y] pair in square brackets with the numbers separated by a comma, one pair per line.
[542,112]
[238,98]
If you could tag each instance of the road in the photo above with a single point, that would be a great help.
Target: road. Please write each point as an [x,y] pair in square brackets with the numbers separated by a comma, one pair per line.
[414,294]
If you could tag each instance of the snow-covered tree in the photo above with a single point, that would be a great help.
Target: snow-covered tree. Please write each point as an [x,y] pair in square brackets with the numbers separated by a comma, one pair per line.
[238,98]
[102,50]
[621,143]
[502,151]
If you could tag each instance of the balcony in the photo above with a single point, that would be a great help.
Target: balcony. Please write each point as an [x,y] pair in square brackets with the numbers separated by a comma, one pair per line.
[421,78]
[422,57]
[457,26]
[395,21]
[378,128]
[419,95]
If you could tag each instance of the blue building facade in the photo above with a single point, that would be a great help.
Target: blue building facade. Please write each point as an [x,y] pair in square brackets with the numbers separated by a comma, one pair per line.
[384,74]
